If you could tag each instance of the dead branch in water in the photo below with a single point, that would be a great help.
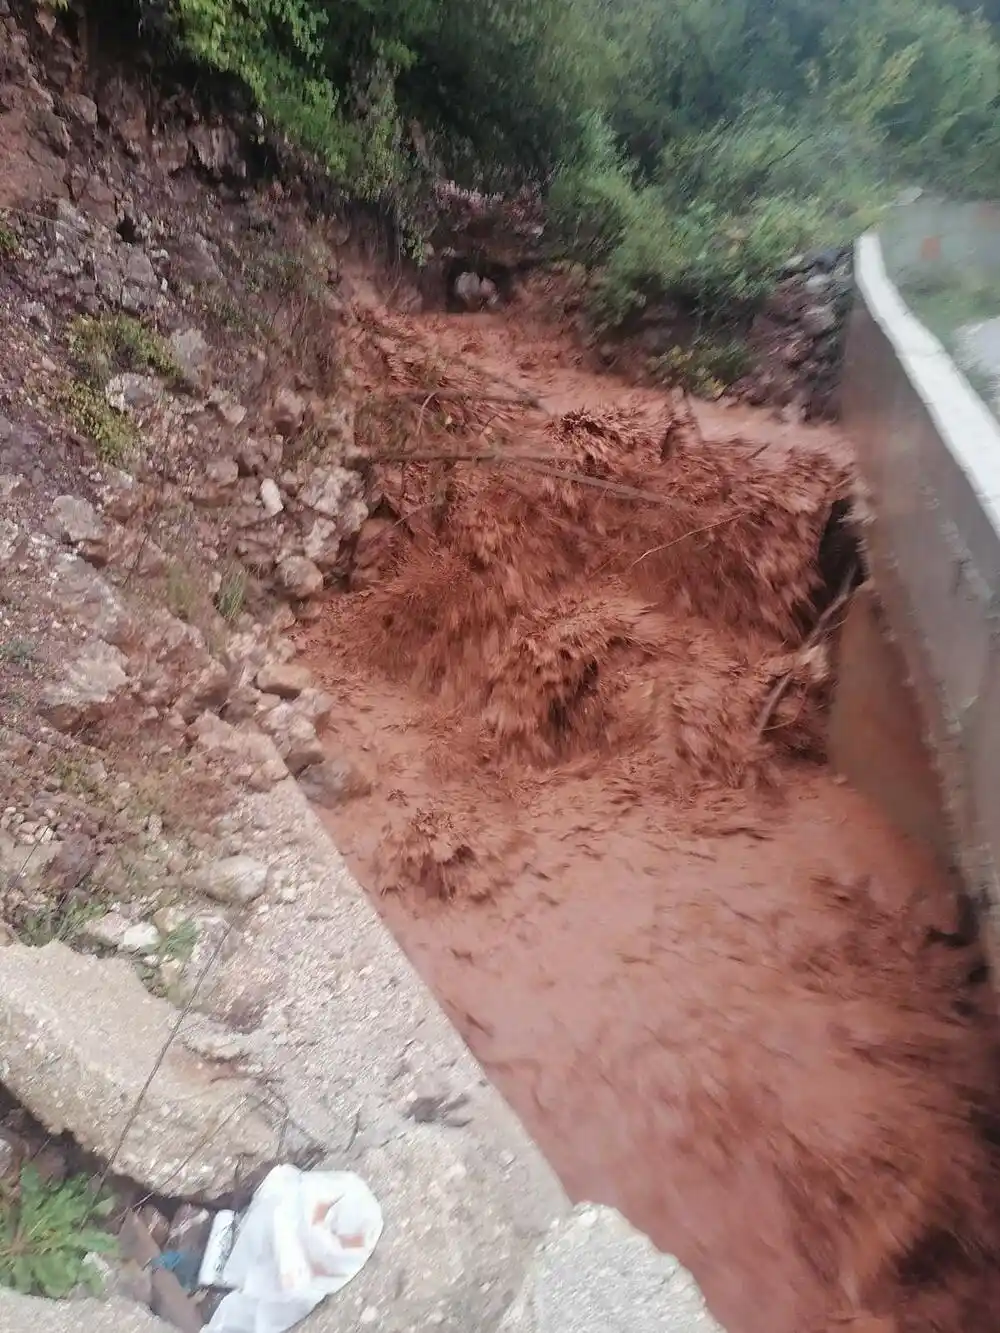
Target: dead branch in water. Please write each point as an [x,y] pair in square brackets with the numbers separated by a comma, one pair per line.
[469,395]
[481,456]
[544,464]
[777,692]
[695,532]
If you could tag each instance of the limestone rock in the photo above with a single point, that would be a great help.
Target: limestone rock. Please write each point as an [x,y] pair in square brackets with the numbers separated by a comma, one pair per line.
[55,132]
[284,679]
[322,543]
[217,149]
[79,1037]
[270,497]
[139,269]
[287,412]
[334,782]
[79,591]
[191,352]
[594,1273]
[818,320]
[235,879]
[74,859]
[243,703]
[140,284]
[207,688]
[223,471]
[251,757]
[89,689]
[329,490]
[8,1158]
[78,524]
[82,108]
[132,393]
[316,705]
[257,456]
[195,256]
[143,937]
[245,654]
[213,940]
[9,536]
[294,736]
[106,932]
[299,577]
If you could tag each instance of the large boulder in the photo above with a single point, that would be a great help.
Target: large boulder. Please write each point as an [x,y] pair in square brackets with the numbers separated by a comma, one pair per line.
[89,689]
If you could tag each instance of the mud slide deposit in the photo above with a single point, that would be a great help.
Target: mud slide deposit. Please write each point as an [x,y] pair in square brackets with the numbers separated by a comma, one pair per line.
[580,672]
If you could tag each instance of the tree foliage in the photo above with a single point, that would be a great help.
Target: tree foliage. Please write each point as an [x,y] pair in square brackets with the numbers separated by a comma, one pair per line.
[687,145]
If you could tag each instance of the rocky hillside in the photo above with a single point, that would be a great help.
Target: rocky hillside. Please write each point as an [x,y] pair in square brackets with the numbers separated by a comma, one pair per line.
[179,478]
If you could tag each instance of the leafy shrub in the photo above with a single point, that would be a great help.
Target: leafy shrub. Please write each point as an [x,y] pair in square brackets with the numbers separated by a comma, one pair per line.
[113,433]
[10,246]
[724,211]
[707,366]
[46,1232]
[690,146]
[593,200]
[108,344]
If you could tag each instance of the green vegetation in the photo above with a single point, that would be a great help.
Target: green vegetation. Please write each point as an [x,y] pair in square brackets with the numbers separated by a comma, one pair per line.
[110,344]
[18,652]
[232,594]
[114,434]
[10,246]
[101,348]
[705,367]
[945,301]
[46,1232]
[62,919]
[687,147]
[179,945]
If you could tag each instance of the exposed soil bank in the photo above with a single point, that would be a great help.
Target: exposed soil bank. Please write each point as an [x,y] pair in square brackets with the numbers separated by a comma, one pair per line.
[711,981]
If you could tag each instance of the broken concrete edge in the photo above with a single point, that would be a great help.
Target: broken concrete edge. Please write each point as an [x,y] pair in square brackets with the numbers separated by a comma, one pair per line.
[465,1203]
[27,1314]
[80,1036]
[593,1273]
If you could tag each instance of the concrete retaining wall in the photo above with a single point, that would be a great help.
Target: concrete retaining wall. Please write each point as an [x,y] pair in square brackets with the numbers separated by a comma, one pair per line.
[929,456]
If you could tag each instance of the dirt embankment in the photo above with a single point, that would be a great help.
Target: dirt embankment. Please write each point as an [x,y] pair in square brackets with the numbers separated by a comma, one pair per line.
[579,676]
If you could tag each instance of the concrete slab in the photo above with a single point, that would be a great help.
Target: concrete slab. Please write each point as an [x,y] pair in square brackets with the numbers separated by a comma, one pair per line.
[349,1039]
[79,1037]
[596,1274]
[24,1314]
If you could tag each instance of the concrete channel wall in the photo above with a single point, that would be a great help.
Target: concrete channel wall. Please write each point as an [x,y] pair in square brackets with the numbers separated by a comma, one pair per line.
[929,459]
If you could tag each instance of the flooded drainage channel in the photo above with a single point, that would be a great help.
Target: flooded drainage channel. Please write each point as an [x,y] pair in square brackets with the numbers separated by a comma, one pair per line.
[584,737]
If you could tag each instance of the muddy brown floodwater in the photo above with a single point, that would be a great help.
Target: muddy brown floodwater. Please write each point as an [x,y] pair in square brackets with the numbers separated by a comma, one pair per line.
[704,972]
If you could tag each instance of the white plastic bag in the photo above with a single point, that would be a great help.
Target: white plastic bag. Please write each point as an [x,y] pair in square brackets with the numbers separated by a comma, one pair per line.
[304,1236]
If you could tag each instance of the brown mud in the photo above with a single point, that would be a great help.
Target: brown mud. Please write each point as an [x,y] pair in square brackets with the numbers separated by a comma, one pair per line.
[705,973]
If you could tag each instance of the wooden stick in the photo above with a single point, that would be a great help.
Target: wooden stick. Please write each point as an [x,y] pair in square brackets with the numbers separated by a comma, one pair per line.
[470,395]
[483,456]
[777,691]
[655,550]
[540,463]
